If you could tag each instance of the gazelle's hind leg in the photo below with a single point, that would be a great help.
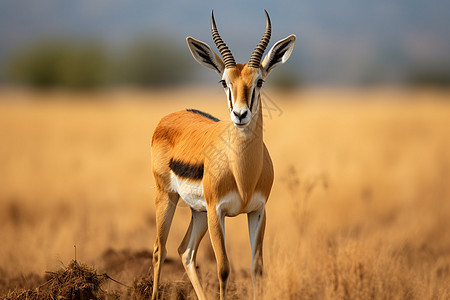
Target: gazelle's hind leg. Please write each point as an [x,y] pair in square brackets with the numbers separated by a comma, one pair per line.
[165,204]
[188,248]
[256,227]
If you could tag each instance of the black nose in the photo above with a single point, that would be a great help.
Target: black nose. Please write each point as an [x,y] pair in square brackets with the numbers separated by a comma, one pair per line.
[240,116]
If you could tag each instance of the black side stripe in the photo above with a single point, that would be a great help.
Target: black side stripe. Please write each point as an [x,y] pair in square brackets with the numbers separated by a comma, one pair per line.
[185,170]
[206,115]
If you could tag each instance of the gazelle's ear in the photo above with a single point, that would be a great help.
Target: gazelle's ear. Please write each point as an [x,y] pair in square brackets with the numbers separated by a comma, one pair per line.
[205,55]
[279,54]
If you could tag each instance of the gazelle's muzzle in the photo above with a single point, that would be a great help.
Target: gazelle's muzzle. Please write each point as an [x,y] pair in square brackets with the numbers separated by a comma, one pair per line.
[241,116]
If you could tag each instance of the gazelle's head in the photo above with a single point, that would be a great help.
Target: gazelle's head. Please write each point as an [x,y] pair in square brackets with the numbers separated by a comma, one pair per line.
[242,82]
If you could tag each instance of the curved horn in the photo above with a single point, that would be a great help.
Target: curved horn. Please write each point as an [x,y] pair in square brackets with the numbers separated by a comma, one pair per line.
[228,58]
[257,54]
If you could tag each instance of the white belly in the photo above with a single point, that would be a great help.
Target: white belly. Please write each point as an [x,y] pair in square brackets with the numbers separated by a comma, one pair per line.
[190,191]
[257,202]
[230,205]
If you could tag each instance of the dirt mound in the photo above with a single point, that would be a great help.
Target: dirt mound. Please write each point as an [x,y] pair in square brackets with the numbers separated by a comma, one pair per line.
[77,281]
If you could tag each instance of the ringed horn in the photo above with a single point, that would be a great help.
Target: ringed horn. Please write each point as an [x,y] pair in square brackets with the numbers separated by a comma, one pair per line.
[228,58]
[257,54]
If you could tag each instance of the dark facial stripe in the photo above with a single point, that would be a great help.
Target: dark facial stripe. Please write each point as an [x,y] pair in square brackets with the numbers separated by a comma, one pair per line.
[253,98]
[185,170]
[206,115]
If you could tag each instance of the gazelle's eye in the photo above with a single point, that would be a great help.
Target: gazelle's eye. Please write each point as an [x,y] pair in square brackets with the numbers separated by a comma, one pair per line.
[224,84]
[259,83]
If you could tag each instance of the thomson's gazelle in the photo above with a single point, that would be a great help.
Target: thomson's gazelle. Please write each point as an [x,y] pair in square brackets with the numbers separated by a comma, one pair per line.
[219,168]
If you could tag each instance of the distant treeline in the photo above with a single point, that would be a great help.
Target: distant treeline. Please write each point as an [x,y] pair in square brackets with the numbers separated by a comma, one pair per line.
[159,62]
[88,64]
[145,62]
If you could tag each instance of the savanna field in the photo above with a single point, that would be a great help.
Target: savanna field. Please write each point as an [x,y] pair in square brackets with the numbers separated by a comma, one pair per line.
[360,207]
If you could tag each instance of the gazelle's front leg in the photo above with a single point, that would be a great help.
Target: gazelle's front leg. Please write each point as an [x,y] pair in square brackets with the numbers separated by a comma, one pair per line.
[256,227]
[189,246]
[165,204]
[216,225]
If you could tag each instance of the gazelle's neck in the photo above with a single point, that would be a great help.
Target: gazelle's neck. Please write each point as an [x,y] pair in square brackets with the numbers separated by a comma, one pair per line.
[246,154]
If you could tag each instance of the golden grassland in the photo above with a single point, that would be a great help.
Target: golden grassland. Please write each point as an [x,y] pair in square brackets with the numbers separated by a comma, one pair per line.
[360,207]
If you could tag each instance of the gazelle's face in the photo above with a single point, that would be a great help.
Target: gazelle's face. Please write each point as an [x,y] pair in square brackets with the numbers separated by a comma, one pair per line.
[242,83]
[242,86]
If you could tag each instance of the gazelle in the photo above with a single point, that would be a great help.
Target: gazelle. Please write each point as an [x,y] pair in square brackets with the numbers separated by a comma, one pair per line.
[219,168]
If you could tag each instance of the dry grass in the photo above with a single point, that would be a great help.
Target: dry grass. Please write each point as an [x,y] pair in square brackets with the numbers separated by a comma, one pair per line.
[360,207]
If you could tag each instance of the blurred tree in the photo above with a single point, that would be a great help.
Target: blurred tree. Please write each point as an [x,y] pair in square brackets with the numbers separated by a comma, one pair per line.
[59,64]
[154,61]
[148,61]
[430,76]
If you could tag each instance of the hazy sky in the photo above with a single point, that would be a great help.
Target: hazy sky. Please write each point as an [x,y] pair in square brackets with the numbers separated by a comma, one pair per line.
[331,33]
